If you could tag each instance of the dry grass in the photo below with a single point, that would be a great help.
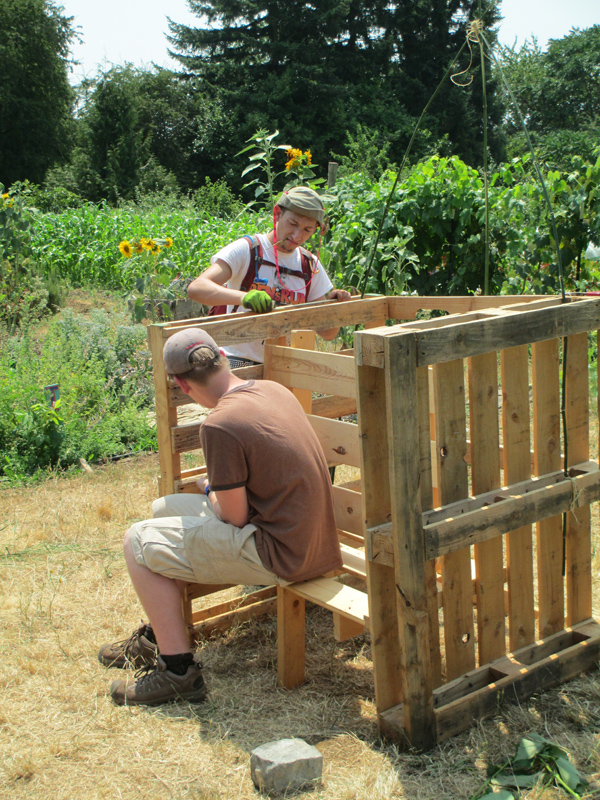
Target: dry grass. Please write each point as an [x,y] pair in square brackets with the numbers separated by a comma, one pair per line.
[64,590]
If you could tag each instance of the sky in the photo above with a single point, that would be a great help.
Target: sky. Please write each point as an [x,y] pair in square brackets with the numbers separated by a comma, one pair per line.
[119,31]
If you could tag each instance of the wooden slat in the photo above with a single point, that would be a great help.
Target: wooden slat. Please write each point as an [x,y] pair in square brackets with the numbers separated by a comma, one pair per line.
[166,417]
[328,373]
[426,496]
[223,622]
[579,544]
[339,440]
[305,340]
[334,406]
[354,561]
[232,329]
[330,593]
[185,438]
[513,678]
[491,514]
[405,455]
[517,467]
[348,509]
[485,476]
[385,642]
[452,470]
[483,332]
[407,307]
[195,590]
[546,438]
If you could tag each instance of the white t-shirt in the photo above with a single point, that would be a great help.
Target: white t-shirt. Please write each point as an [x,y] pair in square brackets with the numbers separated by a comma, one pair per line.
[291,289]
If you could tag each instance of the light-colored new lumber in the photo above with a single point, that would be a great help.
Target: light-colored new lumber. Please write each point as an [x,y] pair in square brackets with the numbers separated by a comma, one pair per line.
[339,439]
[330,593]
[579,543]
[348,509]
[517,460]
[546,438]
[485,476]
[328,373]
[306,341]
[291,642]
[166,417]
[453,484]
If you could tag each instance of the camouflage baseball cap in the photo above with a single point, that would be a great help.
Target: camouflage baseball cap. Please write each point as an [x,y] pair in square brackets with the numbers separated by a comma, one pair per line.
[303,201]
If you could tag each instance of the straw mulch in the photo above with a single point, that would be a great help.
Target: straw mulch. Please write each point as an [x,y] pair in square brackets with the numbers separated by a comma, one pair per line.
[64,591]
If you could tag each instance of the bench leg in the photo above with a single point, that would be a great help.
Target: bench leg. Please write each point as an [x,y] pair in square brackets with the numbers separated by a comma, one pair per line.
[290,639]
[344,628]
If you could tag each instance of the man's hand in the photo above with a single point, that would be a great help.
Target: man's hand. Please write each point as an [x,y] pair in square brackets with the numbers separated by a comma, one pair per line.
[341,295]
[257,300]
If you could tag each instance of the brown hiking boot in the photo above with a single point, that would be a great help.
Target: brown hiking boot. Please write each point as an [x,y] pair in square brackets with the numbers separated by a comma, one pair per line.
[156,685]
[136,651]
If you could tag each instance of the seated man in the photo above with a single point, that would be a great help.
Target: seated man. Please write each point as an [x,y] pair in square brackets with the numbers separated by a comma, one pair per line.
[264,516]
[256,273]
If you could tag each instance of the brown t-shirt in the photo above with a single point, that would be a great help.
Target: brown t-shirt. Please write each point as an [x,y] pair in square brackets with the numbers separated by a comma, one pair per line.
[258,437]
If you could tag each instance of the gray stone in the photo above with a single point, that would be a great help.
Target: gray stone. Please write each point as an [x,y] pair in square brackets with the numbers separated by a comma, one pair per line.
[287,764]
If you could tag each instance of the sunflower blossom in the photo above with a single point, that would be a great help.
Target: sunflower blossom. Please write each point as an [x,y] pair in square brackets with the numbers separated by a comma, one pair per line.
[125,248]
[168,242]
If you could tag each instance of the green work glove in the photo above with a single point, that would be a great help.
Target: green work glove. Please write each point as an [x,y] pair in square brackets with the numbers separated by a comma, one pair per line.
[257,300]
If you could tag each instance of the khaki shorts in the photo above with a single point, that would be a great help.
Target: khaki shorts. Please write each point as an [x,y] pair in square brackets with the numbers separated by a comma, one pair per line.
[186,541]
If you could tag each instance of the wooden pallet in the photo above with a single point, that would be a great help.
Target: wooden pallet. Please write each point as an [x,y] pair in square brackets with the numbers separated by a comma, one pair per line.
[460,467]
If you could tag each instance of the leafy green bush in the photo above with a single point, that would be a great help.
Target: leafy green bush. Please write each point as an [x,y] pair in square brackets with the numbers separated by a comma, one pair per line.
[105,379]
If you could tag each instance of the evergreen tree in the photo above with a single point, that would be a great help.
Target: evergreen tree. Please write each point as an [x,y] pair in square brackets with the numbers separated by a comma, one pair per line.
[317,71]
[35,96]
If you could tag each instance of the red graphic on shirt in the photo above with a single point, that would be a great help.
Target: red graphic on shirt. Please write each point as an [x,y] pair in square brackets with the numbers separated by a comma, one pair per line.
[284,297]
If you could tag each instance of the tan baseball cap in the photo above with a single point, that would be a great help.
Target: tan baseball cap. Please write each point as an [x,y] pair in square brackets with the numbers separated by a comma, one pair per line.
[303,201]
[180,346]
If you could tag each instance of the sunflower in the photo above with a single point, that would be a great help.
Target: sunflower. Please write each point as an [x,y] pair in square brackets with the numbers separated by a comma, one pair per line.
[125,248]
[308,155]
[139,245]
[168,242]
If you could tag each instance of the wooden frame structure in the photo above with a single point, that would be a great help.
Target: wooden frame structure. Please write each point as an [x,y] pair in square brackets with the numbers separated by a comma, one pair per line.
[453,477]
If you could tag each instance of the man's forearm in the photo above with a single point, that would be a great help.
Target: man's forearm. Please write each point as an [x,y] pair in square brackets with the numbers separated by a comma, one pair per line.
[211,294]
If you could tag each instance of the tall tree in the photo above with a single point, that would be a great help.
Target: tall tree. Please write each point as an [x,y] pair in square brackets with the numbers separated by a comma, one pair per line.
[316,71]
[558,92]
[35,96]
[143,129]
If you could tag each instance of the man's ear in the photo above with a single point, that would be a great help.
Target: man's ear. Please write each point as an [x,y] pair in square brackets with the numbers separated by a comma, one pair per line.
[277,212]
[182,383]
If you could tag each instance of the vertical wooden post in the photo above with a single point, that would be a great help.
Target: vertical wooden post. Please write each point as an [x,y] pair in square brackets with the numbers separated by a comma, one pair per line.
[579,545]
[291,640]
[385,642]
[516,437]
[546,438]
[166,417]
[485,476]
[451,449]
[400,354]
[332,169]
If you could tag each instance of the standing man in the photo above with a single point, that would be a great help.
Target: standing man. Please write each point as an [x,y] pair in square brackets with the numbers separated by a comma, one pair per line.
[256,273]
[265,515]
